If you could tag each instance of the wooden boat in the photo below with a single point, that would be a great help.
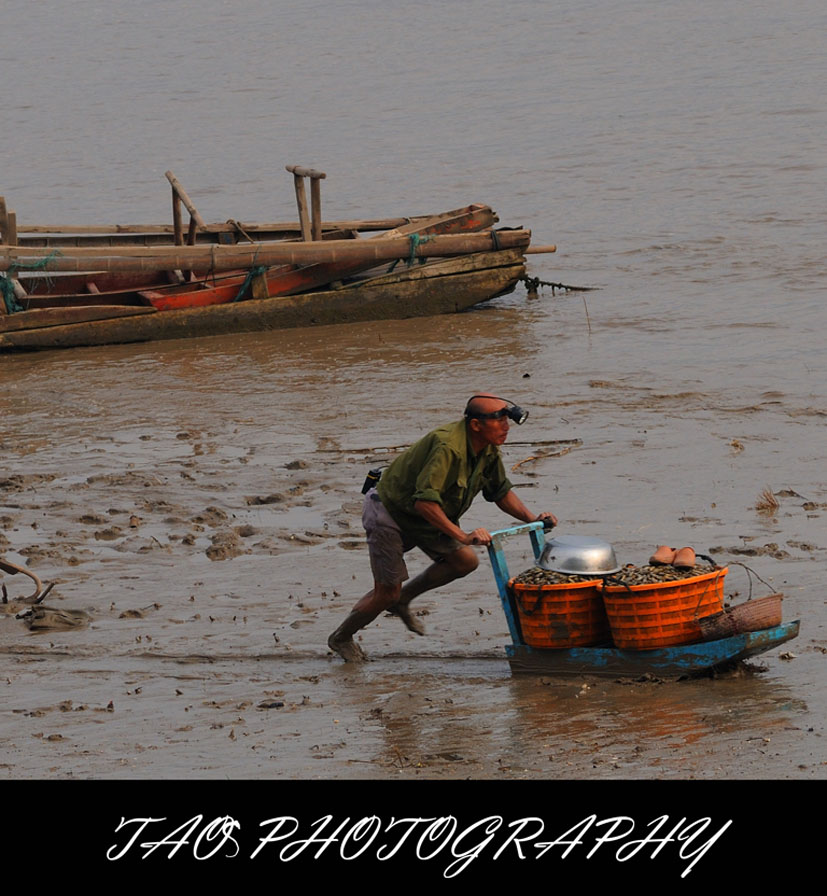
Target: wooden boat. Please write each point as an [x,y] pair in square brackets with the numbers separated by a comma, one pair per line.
[290,279]
[164,284]
[167,293]
[439,285]
[121,286]
[606,660]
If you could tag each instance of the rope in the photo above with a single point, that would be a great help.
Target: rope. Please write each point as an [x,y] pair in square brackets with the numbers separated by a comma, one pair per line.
[253,272]
[9,298]
[417,240]
[7,287]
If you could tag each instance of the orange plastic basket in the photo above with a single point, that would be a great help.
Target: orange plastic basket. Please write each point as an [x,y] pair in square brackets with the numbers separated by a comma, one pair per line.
[644,617]
[559,616]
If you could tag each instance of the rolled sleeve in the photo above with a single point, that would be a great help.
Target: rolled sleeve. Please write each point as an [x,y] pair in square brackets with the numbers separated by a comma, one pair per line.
[433,478]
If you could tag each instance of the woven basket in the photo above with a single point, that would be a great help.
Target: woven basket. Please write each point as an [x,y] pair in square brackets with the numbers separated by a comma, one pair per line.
[751,616]
[721,625]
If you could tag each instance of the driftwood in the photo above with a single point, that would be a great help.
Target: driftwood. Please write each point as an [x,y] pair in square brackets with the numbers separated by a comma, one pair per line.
[12,569]
[568,443]
[542,456]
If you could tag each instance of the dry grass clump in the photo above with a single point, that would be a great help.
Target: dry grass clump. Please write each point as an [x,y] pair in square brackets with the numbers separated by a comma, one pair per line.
[767,502]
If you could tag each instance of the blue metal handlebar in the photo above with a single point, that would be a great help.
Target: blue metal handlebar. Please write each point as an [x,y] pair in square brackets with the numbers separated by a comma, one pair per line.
[500,566]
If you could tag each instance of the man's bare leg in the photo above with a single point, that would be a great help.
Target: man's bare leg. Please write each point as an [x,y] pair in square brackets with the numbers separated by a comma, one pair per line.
[364,612]
[456,565]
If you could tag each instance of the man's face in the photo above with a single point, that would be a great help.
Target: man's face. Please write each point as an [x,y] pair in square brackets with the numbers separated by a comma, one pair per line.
[493,430]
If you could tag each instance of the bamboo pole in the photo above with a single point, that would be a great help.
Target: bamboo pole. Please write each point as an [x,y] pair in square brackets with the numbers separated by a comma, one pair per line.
[11,237]
[216,227]
[4,221]
[223,258]
[311,226]
[301,201]
[177,227]
[316,207]
[176,186]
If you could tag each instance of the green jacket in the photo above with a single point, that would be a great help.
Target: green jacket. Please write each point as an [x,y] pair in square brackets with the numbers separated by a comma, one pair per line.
[440,467]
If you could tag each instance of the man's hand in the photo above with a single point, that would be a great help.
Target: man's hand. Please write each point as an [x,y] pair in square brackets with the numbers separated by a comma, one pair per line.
[478,536]
[548,519]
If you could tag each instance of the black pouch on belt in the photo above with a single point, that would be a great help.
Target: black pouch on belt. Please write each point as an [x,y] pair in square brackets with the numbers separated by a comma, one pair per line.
[370,480]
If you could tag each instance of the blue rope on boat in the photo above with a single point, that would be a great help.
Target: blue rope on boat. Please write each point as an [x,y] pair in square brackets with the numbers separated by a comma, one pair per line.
[253,272]
[7,287]
[417,240]
[9,298]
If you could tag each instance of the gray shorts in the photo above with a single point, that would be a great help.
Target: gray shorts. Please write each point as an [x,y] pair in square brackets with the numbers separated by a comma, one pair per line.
[387,543]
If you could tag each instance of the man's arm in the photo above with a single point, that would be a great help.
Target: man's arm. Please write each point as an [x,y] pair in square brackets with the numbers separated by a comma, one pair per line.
[511,504]
[435,515]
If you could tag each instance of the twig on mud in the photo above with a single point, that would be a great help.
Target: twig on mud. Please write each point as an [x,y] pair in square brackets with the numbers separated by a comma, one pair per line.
[542,456]
[401,761]
[378,448]
[49,587]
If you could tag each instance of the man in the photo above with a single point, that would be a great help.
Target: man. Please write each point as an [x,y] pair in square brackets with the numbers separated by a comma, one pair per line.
[418,502]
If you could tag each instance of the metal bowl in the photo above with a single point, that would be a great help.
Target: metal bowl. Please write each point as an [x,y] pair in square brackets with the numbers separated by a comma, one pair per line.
[579,555]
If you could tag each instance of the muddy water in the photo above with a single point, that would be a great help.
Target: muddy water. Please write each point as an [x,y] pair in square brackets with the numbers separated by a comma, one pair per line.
[200,502]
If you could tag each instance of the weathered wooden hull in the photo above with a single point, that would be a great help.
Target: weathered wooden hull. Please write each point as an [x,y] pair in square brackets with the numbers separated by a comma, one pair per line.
[47,318]
[666,662]
[436,287]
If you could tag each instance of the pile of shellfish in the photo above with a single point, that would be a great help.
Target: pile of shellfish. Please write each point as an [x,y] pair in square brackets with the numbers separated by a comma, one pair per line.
[629,575]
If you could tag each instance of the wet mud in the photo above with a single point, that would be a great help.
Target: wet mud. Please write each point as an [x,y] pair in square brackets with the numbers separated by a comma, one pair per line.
[196,510]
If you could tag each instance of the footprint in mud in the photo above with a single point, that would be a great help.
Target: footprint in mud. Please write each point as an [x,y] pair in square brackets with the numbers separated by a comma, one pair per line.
[108,534]
[212,516]
[225,546]
[771,550]
[53,619]
[804,546]
[18,482]
[255,500]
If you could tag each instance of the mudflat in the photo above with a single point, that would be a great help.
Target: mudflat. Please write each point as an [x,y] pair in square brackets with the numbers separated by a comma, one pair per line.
[196,509]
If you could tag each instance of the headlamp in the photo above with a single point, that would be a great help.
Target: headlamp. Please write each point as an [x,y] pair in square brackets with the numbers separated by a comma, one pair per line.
[514,412]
